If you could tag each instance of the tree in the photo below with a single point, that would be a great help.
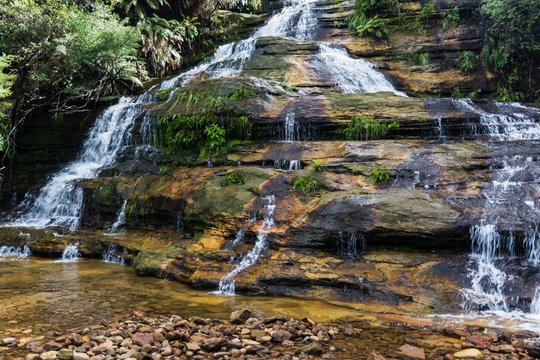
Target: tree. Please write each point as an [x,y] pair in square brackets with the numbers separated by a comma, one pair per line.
[512,43]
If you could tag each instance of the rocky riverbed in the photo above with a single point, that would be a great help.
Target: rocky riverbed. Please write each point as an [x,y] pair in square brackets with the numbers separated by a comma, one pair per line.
[248,336]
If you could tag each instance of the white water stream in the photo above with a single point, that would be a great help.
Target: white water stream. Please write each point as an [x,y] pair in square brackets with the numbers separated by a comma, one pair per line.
[505,196]
[227,284]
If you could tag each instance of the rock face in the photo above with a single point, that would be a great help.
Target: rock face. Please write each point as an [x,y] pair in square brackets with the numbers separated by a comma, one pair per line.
[383,224]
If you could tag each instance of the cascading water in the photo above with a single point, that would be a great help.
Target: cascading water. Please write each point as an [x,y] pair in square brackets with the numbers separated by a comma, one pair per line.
[506,195]
[296,20]
[350,245]
[71,253]
[512,123]
[227,283]
[120,217]
[352,75]
[15,252]
[291,132]
[59,202]
[111,256]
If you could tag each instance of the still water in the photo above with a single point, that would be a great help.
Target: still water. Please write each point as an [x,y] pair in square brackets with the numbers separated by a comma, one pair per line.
[46,296]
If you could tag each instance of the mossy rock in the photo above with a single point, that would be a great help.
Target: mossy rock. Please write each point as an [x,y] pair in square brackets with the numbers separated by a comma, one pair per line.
[218,199]
[152,262]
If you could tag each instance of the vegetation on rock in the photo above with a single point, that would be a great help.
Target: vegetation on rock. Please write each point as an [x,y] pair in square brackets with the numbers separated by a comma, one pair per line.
[362,127]
[512,46]
[380,175]
[305,183]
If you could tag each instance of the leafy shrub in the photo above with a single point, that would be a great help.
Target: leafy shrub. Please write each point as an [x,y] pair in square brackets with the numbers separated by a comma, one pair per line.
[318,166]
[512,45]
[164,41]
[216,136]
[467,61]
[374,26]
[363,127]
[242,92]
[380,175]
[235,178]
[306,183]
[419,58]
[451,18]
[378,7]
[457,92]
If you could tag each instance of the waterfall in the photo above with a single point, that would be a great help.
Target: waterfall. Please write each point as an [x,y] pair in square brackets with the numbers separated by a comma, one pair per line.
[291,127]
[227,283]
[535,303]
[295,165]
[111,256]
[350,245]
[506,195]
[296,20]
[15,252]
[352,75]
[120,217]
[512,123]
[71,253]
[59,202]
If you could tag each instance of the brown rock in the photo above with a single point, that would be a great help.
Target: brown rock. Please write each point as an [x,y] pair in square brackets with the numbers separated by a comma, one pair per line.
[281,335]
[412,352]
[240,316]
[52,346]
[479,340]
[142,338]
[469,354]
[214,344]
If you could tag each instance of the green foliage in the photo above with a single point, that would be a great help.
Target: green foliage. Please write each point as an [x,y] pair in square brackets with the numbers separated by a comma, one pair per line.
[374,26]
[419,58]
[380,175]
[203,122]
[512,45]
[216,136]
[318,166]
[242,92]
[105,192]
[372,17]
[6,82]
[62,50]
[235,178]
[457,93]
[505,94]
[451,18]
[165,41]
[305,183]
[467,61]
[378,7]
[363,127]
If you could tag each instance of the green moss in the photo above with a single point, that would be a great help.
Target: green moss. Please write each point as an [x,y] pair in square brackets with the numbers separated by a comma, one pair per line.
[105,192]
[235,178]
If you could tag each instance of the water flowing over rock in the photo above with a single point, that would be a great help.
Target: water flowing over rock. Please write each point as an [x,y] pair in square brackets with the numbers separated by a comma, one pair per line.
[71,253]
[227,283]
[112,256]
[352,75]
[14,252]
[120,217]
[59,202]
